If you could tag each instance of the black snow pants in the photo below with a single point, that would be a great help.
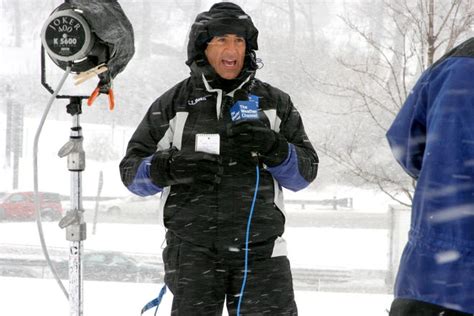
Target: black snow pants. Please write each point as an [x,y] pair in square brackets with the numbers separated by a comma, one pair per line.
[201,279]
[406,307]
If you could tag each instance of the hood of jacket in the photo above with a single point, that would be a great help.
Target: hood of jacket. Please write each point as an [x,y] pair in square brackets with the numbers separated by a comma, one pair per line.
[222,18]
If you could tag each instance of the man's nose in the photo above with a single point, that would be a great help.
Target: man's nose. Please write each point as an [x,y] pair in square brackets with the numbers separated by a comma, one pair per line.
[232,45]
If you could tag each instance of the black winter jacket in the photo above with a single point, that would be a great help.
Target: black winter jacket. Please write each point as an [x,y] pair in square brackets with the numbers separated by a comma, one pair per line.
[216,217]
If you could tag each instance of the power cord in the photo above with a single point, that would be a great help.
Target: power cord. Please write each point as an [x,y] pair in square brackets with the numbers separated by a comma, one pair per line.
[35,182]
[247,237]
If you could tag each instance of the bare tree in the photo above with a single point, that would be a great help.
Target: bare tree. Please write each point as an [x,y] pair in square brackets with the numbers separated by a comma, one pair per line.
[17,23]
[375,75]
[145,30]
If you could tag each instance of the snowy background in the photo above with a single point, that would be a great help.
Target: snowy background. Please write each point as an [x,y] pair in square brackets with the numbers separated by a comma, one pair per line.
[309,247]
[348,66]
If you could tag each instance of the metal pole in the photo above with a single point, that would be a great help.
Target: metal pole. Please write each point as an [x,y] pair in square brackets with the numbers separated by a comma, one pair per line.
[96,209]
[9,129]
[76,233]
[74,219]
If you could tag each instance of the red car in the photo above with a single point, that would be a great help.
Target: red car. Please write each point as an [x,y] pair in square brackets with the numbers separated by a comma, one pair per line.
[21,206]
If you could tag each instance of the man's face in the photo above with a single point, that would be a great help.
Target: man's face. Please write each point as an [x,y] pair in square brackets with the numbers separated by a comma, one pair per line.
[226,55]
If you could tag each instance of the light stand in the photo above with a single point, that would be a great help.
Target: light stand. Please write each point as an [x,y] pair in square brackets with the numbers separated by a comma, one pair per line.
[70,44]
[73,221]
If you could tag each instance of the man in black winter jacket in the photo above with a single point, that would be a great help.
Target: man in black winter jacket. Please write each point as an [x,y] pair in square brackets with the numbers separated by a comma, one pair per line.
[206,162]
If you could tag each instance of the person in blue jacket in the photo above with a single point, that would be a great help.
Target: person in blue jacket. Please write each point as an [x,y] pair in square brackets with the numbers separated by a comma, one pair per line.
[433,140]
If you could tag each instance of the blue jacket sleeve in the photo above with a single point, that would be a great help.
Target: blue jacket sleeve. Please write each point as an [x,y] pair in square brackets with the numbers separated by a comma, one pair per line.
[300,167]
[142,184]
[135,166]
[287,173]
[407,134]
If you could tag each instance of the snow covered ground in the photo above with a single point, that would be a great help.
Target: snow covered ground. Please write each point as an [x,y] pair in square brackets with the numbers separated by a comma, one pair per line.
[25,297]
[308,247]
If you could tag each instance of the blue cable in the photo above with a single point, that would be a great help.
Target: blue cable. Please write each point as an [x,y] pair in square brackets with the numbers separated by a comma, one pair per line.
[247,237]
[155,302]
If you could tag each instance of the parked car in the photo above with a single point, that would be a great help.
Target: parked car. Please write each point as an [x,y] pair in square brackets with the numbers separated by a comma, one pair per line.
[115,266]
[132,204]
[21,206]
[19,272]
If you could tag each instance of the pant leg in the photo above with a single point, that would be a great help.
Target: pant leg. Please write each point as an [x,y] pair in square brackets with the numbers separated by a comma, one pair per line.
[194,276]
[407,307]
[268,291]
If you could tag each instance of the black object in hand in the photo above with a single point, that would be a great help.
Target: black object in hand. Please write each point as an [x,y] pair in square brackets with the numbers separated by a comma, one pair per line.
[254,136]
[174,166]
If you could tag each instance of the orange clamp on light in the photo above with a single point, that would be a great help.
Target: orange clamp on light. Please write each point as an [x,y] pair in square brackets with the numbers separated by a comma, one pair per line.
[111,100]
[93,96]
[96,93]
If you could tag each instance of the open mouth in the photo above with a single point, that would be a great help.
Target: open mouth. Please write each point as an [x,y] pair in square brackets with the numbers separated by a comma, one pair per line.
[229,62]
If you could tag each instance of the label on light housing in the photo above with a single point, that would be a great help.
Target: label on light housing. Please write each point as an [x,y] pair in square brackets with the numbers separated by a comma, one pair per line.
[66,36]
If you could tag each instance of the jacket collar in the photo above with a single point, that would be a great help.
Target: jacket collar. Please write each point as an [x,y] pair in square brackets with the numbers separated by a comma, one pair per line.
[205,78]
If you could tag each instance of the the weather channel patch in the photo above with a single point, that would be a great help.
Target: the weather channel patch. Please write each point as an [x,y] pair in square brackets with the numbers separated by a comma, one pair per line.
[244,110]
